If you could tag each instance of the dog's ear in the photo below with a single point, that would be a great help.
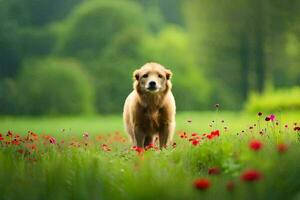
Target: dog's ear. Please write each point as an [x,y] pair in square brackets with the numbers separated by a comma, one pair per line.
[168,74]
[136,75]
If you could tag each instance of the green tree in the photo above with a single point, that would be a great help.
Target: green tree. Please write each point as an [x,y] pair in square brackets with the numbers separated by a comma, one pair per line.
[8,96]
[10,57]
[95,24]
[54,86]
[236,40]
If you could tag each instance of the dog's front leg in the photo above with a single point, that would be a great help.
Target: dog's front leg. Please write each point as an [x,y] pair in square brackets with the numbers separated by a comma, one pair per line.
[139,137]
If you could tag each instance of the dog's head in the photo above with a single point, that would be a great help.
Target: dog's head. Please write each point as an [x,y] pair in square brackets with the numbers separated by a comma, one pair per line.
[152,78]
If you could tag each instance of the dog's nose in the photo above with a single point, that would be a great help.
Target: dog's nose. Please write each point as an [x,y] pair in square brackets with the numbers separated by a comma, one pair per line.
[152,84]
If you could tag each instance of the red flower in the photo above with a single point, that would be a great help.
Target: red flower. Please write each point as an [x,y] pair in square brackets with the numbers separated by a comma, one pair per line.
[209,137]
[9,133]
[281,148]
[15,142]
[214,171]
[255,145]
[195,142]
[105,147]
[183,135]
[1,137]
[251,175]
[230,185]
[194,134]
[267,119]
[151,146]
[215,133]
[138,149]
[52,140]
[202,184]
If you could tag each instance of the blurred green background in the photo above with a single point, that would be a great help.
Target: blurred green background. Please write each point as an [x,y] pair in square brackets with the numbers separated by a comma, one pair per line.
[76,57]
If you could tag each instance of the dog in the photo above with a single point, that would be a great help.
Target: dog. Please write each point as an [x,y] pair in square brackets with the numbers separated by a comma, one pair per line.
[149,110]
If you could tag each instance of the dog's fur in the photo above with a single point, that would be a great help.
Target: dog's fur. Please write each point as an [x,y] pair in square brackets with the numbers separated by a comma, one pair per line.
[150,113]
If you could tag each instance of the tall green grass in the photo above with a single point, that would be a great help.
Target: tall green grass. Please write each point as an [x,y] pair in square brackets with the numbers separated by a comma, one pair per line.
[64,171]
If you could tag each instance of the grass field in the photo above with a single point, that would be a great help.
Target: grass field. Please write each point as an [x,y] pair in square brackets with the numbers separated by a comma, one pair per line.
[90,158]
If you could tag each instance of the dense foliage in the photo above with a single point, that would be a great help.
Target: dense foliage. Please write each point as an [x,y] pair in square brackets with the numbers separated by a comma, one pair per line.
[272,101]
[54,86]
[218,52]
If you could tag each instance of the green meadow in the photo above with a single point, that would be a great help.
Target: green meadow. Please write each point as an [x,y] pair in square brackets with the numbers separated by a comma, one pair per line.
[235,121]
[90,158]
[66,68]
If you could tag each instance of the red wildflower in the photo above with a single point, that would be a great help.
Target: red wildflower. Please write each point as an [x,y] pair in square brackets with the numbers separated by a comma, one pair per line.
[214,171]
[194,134]
[209,136]
[195,142]
[267,119]
[1,137]
[183,135]
[281,148]
[138,149]
[151,146]
[251,175]
[105,147]
[297,128]
[15,142]
[230,185]
[215,133]
[255,145]
[34,136]
[52,140]
[202,184]
[9,133]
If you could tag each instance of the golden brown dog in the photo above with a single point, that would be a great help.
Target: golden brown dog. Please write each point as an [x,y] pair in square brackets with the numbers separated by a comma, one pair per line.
[149,110]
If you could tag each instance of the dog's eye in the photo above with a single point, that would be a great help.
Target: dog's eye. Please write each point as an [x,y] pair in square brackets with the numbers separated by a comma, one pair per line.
[145,75]
[160,76]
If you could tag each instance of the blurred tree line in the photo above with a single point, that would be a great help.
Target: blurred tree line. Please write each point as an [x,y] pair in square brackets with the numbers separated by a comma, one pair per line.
[77,56]
[246,45]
